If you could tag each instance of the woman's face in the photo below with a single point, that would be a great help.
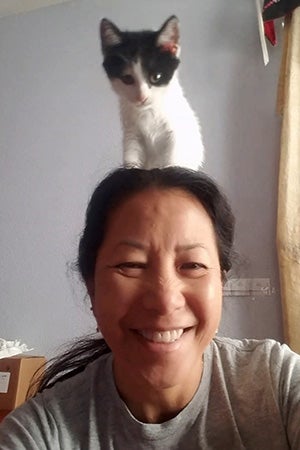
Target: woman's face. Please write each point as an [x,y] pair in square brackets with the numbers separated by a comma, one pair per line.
[157,289]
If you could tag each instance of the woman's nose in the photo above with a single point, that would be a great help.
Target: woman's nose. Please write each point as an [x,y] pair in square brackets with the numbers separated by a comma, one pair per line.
[164,295]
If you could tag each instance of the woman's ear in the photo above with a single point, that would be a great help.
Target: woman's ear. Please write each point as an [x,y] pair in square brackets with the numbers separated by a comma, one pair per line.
[224,276]
[90,286]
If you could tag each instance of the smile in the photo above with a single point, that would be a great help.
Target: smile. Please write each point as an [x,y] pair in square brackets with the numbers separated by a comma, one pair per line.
[162,336]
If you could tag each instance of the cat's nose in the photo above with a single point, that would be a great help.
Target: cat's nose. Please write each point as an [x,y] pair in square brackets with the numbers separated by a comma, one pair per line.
[142,99]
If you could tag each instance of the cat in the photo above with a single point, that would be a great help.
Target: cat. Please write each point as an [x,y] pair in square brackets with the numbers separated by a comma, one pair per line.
[159,127]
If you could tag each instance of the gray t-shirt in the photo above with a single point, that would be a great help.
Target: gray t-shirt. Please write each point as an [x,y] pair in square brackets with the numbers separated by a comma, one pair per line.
[248,398]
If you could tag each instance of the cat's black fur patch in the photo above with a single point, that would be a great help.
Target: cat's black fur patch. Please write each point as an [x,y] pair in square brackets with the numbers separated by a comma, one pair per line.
[140,45]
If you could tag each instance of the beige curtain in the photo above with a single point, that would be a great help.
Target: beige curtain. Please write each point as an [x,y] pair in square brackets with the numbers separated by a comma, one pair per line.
[288,220]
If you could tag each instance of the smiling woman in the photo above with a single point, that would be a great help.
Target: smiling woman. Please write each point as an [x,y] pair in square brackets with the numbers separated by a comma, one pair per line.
[153,255]
[157,277]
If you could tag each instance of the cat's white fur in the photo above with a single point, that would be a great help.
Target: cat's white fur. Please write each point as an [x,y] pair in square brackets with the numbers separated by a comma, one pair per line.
[159,127]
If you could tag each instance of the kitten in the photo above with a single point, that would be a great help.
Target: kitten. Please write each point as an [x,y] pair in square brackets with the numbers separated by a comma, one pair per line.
[159,127]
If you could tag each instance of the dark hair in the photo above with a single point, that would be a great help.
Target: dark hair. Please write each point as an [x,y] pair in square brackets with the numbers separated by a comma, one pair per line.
[116,187]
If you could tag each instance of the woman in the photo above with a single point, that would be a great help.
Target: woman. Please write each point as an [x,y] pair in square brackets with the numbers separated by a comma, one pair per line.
[154,254]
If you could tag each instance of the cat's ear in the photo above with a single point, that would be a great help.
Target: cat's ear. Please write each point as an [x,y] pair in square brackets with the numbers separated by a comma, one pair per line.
[168,36]
[110,34]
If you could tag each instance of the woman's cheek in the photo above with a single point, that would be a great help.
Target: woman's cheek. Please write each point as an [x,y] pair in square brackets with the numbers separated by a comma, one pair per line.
[209,292]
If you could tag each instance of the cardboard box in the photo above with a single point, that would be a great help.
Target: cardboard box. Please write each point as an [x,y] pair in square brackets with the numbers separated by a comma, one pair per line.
[3,413]
[16,374]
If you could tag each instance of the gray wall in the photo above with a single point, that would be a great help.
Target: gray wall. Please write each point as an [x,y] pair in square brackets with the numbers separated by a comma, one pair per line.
[59,134]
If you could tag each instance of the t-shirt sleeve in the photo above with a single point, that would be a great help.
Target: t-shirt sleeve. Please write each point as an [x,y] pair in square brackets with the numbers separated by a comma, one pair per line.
[29,427]
[288,365]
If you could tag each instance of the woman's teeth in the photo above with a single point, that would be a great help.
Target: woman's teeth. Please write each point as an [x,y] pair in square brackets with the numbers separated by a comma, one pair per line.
[162,336]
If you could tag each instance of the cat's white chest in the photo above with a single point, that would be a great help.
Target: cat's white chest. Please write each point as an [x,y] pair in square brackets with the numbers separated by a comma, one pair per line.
[153,127]
[163,134]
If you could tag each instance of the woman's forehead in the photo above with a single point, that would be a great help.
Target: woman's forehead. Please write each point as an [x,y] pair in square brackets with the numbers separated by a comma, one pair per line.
[157,198]
[165,210]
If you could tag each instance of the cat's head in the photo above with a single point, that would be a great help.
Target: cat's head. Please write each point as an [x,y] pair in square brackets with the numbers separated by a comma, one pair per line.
[140,64]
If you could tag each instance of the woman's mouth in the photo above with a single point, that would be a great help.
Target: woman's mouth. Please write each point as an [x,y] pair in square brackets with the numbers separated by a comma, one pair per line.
[162,336]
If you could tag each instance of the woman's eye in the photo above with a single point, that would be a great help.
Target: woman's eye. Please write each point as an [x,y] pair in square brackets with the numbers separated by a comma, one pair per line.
[127,79]
[130,268]
[194,268]
[155,78]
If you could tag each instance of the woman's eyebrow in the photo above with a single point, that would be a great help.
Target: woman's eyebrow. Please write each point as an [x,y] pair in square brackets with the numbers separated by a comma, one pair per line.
[141,246]
[181,248]
[132,243]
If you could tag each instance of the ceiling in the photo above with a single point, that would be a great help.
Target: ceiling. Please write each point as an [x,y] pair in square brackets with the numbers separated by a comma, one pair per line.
[8,7]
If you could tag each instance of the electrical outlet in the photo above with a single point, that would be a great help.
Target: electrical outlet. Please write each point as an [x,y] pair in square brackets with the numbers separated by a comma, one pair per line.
[247,287]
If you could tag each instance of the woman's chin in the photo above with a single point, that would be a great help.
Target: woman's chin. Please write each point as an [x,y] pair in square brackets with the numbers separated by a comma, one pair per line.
[160,364]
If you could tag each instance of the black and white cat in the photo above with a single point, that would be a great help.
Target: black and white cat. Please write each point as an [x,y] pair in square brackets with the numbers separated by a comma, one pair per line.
[160,128]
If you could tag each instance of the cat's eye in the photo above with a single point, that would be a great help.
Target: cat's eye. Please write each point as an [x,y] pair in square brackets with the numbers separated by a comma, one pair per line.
[155,78]
[127,79]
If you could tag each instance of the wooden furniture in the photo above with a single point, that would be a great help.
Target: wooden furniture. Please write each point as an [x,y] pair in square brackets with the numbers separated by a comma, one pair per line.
[3,413]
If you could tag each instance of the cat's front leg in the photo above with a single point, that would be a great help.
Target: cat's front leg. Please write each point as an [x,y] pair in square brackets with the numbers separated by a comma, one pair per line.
[133,154]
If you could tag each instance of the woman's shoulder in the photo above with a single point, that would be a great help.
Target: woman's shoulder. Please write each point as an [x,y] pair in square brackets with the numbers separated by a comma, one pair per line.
[267,354]
[93,378]
[250,345]
[65,396]
[245,344]
[68,402]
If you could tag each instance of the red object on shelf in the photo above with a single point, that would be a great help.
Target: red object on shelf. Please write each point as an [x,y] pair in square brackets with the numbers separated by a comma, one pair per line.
[270,34]
[273,9]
